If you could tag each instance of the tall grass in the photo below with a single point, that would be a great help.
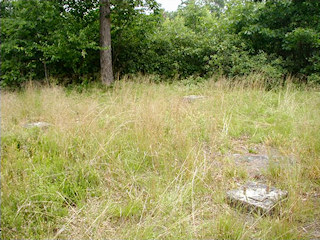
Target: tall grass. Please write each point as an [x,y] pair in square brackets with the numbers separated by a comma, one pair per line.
[138,162]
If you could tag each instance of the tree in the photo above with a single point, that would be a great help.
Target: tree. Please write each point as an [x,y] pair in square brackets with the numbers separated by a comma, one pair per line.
[105,43]
[289,29]
[60,39]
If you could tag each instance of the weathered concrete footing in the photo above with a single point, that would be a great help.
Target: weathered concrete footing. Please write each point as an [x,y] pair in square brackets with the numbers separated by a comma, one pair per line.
[37,125]
[256,197]
[192,98]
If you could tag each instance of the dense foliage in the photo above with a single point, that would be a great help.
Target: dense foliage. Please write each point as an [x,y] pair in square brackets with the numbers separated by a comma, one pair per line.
[60,38]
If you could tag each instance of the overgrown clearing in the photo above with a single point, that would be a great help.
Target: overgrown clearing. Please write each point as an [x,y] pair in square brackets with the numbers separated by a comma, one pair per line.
[137,161]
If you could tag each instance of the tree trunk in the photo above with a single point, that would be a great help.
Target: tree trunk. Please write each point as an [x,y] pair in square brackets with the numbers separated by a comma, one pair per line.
[105,43]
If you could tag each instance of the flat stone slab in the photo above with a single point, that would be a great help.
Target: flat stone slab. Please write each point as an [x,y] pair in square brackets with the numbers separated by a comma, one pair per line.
[192,98]
[253,163]
[252,158]
[256,197]
[37,125]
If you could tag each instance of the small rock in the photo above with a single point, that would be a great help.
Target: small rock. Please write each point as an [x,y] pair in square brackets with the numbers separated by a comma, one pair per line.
[37,125]
[192,98]
[256,197]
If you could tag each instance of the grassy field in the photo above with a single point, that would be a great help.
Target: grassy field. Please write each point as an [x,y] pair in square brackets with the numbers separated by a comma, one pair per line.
[136,161]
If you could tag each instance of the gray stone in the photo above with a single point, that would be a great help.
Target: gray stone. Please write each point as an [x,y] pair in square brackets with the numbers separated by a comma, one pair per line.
[253,163]
[251,158]
[192,98]
[37,125]
[256,197]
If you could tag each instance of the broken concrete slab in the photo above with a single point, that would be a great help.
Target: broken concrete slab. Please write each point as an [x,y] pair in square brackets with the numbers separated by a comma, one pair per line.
[256,197]
[256,164]
[192,98]
[253,163]
[37,125]
[251,158]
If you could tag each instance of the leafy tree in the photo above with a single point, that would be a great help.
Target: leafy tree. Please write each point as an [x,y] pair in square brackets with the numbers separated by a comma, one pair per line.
[43,38]
[289,28]
[60,38]
[25,33]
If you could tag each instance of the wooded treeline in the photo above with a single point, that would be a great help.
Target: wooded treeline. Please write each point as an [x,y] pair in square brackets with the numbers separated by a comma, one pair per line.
[60,39]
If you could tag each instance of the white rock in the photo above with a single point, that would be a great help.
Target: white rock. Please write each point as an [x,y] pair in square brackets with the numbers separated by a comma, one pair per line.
[192,98]
[256,197]
[37,125]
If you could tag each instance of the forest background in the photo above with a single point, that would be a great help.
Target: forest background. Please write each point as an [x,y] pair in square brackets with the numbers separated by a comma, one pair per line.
[46,40]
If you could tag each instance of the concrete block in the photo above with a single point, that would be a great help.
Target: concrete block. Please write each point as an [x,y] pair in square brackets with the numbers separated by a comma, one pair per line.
[192,98]
[256,197]
[37,125]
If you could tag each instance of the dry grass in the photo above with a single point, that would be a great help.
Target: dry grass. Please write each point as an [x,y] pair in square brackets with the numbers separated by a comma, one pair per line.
[138,162]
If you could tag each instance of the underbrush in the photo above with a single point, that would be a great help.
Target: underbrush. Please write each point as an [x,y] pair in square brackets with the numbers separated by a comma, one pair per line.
[138,161]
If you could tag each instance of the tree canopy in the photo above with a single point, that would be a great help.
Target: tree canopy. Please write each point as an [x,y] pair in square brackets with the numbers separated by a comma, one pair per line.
[60,39]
